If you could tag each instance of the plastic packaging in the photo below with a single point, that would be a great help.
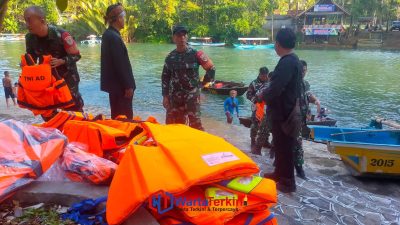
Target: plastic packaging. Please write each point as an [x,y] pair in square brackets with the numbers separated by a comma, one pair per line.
[79,165]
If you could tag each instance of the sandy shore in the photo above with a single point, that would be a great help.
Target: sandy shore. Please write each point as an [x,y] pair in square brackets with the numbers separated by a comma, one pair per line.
[329,196]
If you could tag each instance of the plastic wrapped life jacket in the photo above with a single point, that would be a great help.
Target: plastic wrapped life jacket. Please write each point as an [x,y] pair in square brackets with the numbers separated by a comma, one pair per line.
[183,157]
[80,165]
[103,135]
[26,152]
[39,90]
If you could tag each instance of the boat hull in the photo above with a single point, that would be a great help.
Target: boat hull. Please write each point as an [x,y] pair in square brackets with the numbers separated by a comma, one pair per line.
[366,152]
[240,46]
[221,44]
[366,160]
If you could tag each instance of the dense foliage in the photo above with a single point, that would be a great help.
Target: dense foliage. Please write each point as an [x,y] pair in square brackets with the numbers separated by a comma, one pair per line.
[152,20]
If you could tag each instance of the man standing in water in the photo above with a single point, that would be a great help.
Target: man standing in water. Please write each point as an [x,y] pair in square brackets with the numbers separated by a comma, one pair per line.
[7,84]
[116,71]
[44,39]
[181,81]
[282,96]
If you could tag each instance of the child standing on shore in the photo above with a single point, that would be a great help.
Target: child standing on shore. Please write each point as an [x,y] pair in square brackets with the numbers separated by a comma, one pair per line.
[7,84]
[230,104]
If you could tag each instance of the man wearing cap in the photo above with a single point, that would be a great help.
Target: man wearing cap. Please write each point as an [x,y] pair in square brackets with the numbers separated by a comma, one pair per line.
[181,81]
[44,39]
[116,71]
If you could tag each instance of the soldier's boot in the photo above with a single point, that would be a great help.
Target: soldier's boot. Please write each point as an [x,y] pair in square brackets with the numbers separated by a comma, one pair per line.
[300,172]
[256,149]
[266,143]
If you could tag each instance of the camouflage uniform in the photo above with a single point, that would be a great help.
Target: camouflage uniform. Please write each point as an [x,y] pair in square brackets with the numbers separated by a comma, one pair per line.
[254,86]
[181,84]
[59,44]
[299,152]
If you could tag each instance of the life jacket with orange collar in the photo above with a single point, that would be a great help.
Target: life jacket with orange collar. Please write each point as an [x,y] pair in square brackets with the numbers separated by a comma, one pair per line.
[62,117]
[40,90]
[104,135]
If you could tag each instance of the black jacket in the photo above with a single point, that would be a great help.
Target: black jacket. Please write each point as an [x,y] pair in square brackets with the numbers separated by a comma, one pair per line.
[284,87]
[116,70]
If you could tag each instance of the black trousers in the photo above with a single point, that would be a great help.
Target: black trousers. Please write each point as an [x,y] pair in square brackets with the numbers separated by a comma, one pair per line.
[120,105]
[284,146]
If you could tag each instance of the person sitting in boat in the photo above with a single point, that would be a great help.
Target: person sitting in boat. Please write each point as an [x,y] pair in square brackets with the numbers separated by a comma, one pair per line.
[231,103]
[255,86]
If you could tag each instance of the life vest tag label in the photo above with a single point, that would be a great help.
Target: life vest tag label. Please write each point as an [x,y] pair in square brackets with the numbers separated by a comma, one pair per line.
[219,158]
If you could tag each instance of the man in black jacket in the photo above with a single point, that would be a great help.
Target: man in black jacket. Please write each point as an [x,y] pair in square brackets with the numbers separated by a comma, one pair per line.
[116,71]
[281,95]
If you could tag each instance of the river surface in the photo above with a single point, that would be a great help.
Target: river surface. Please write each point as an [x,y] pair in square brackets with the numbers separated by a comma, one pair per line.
[353,85]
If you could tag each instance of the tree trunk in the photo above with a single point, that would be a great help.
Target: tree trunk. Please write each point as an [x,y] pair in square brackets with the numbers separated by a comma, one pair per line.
[3,11]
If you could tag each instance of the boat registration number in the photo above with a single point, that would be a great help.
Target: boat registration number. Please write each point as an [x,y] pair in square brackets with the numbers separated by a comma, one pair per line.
[382,162]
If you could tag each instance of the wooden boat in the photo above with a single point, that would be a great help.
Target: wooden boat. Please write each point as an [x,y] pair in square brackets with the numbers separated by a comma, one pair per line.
[364,151]
[305,131]
[246,121]
[224,87]
[253,43]
[204,41]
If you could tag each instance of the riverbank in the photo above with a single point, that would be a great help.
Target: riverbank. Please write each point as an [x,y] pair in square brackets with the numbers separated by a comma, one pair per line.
[329,196]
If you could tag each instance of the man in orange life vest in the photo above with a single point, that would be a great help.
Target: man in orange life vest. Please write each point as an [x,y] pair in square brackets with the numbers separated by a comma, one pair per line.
[44,39]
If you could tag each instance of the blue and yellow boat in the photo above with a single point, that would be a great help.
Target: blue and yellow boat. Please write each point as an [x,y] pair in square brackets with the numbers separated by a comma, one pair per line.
[364,151]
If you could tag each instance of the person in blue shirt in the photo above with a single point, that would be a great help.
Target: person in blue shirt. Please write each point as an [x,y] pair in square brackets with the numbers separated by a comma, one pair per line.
[230,104]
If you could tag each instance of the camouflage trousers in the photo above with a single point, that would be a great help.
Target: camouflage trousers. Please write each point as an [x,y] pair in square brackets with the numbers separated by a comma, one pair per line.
[254,126]
[185,111]
[263,132]
[299,152]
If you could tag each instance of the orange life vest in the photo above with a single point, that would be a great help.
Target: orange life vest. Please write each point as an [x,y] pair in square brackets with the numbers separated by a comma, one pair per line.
[39,90]
[260,110]
[248,194]
[26,152]
[102,135]
[62,117]
[183,157]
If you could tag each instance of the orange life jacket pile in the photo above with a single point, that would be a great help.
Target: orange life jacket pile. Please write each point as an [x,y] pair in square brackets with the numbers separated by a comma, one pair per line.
[160,164]
[177,162]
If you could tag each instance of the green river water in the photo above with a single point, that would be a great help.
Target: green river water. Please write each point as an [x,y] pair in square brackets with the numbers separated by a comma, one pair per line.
[353,85]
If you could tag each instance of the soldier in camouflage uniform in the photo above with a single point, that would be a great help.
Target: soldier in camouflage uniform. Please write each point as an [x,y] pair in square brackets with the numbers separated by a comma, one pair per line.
[181,81]
[44,39]
[255,86]
[306,98]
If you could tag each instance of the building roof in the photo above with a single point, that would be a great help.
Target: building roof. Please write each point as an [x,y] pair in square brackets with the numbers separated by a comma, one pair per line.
[310,11]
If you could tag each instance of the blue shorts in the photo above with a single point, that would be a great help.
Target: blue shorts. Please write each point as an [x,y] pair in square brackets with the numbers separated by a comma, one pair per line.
[9,93]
